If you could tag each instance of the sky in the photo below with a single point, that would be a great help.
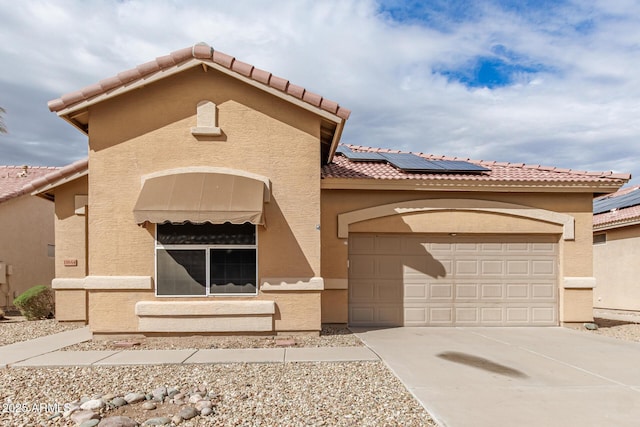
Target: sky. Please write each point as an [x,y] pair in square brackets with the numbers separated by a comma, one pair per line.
[555,83]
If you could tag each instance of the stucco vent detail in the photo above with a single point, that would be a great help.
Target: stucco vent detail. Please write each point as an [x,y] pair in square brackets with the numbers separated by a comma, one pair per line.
[207,116]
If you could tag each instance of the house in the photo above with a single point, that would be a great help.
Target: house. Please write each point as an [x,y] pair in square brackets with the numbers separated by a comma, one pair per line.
[26,233]
[616,251]
[218,198]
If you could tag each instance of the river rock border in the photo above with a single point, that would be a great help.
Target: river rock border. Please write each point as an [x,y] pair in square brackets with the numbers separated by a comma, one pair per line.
[94,411]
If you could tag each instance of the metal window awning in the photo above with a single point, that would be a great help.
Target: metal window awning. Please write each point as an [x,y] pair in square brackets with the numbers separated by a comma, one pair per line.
[200,197]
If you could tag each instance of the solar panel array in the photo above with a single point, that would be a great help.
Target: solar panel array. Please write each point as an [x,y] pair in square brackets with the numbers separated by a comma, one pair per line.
[411,163]
[620,202]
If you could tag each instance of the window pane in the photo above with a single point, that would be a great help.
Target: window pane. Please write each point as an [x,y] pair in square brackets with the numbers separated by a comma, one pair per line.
[207,234]
[233,271]
[181,272]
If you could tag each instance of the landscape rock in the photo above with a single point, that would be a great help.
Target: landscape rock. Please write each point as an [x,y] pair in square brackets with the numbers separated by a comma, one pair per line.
[117,421]
[148,406]
[90,423]
[93,405]
[195,398]
[203,404]
[159,421]
[188,413]
[81,416]
[206,411]
[118,402]
[134,397]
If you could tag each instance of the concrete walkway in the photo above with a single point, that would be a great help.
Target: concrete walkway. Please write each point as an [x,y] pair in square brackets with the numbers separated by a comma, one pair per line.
[45,351]
[486,377]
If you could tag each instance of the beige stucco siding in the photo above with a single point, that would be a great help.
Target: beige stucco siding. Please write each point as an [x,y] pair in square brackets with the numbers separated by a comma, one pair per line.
[71,233]
[26,228]
[575,257]
[114,311]
[616,270]
[149,131]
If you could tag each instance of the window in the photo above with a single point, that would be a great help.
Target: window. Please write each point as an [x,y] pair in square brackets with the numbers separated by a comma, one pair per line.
[51,251]
[600,239]
[206,259]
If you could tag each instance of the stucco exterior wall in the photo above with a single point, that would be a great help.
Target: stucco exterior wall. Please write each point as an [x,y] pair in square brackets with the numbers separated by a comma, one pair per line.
[617,270]
[26,228]
[261,134]
[71,233]
[575,256]
[113,312]
[149,131]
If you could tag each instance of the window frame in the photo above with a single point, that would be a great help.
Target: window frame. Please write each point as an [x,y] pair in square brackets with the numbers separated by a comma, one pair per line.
[207,255]
[599,238]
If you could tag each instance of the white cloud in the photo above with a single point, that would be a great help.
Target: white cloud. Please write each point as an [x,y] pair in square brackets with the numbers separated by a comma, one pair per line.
[583,112]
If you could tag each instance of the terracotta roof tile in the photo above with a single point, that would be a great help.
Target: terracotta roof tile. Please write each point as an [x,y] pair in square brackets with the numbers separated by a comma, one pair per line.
[14,180]
[618,216]
[295,90]
[278,83]
[242,68]
[204,52]
[341,167]
[59,173]
[261,75]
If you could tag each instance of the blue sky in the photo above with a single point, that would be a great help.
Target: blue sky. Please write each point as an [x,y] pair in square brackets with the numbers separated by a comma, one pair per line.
[539,82]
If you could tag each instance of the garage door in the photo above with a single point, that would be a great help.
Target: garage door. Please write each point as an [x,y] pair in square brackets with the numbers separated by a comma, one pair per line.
[423,280]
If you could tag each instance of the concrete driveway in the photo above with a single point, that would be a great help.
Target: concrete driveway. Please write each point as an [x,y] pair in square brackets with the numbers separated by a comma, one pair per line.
[515,376]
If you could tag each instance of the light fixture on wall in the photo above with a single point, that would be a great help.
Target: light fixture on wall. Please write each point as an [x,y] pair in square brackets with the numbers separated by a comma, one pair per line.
[453,234]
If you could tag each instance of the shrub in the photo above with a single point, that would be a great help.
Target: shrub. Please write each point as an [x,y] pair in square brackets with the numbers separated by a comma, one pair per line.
[36,303]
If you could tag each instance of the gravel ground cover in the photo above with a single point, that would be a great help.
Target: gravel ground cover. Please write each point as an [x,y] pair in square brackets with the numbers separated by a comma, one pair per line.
[330,336]
[293,394]
[15,329]
[623,330]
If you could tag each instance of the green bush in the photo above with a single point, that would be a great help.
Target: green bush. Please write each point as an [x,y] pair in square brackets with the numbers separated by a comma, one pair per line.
[36,303]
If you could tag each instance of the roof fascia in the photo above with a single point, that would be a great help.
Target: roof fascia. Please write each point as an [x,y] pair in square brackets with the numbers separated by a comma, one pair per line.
[618,224]
[44,190]
[460,185]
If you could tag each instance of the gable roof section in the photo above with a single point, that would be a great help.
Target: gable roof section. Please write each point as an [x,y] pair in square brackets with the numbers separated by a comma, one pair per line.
[15,180]
[73,106]
[44,184]
[617,217]
[202,54]
[501,174]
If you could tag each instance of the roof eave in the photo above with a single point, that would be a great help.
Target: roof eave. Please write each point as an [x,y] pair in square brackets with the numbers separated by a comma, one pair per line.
[617,224]
[466,185]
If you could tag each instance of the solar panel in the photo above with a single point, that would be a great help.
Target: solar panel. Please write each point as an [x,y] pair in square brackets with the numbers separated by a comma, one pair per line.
[409,162]
[619,202]
[363,157]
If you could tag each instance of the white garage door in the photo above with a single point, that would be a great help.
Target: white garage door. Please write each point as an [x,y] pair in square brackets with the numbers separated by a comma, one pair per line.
[423,280]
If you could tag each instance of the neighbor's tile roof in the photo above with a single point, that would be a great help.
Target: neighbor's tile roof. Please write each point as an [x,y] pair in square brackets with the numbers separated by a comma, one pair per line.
[57,175]
[618,216]
[200,51]
[15,179]
[341,167]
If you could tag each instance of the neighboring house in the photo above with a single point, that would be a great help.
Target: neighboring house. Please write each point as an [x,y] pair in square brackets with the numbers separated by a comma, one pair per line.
[26,233]
[616,253]
[217,198]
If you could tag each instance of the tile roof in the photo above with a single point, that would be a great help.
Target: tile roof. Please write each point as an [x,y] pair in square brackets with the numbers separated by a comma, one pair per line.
[341,167]
[203,52]
[15,179]
[55,176]
[618,217]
